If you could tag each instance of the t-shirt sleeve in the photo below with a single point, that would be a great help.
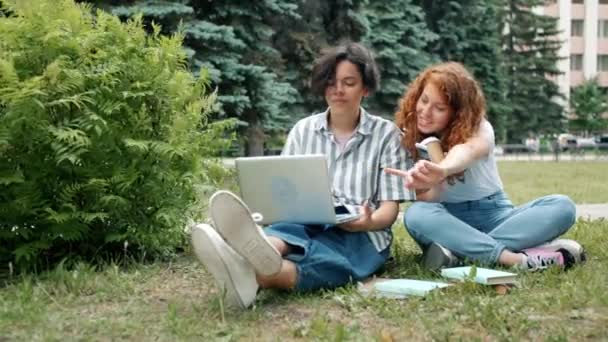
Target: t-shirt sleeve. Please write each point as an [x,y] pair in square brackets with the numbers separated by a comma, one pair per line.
[486,131]
[390,187]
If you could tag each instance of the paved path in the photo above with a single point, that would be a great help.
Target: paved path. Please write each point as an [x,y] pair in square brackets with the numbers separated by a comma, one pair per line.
[592,211]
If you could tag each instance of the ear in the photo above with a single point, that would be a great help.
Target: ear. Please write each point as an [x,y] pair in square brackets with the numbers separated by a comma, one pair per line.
[365,92]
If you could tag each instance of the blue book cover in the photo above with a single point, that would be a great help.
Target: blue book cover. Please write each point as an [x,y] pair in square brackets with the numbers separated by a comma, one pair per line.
[400,288]
[479,275]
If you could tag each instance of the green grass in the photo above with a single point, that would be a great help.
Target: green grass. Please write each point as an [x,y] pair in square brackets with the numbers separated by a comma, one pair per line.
[176,300]
[584,182]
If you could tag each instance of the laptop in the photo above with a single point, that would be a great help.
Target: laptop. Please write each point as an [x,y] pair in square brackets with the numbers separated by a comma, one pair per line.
[294,188]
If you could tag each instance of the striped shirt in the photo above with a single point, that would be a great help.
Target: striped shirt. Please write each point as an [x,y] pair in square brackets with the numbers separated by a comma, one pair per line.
[355,170]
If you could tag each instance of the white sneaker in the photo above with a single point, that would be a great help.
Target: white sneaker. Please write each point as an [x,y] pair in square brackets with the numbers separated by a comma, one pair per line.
[233,274]
[573,252]
[234,222]
[436,256]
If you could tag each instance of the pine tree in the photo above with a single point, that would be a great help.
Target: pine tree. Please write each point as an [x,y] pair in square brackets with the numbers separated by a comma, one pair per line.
[530,58]
[232,41]
[320,24]
[469,32]
[400,40]
[251,84]
[343,19]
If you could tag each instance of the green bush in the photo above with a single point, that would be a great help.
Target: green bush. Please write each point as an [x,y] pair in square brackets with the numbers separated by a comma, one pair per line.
[103,135]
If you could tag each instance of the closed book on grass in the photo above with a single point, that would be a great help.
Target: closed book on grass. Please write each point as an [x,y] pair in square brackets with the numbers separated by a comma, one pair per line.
[400,288]
[479,275]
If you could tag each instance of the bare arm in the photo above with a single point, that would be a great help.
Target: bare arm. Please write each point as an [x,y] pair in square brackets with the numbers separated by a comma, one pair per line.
[426,174]
[381,218]
[461,156]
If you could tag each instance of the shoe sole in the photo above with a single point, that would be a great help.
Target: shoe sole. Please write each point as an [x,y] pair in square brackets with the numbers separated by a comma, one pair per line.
[207,252]
[243,234]
[434,258]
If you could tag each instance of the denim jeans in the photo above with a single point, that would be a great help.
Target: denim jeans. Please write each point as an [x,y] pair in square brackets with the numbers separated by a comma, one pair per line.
[482,229]
[328,257]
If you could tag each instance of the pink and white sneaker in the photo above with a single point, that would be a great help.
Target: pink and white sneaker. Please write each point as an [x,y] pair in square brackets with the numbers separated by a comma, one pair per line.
[573,252]
[537,259]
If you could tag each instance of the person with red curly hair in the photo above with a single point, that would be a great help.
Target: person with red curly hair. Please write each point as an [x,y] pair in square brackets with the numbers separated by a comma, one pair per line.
[461,210]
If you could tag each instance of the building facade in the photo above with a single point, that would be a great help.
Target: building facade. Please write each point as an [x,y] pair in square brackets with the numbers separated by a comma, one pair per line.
[584,27]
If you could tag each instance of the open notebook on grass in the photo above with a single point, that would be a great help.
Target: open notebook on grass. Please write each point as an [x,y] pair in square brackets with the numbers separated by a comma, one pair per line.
[399,288]
[479,275]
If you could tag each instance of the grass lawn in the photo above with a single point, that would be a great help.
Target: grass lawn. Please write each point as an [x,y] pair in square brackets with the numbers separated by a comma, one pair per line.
[584,182]
[176,300]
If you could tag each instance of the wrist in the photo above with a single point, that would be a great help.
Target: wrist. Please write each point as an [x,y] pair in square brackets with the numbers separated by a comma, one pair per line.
[446,172]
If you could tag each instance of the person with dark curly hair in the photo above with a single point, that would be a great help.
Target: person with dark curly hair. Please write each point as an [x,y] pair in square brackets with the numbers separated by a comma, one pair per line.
[461,210]
[242,257]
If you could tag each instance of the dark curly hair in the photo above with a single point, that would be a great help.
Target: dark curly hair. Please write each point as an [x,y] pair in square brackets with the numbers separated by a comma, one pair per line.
[324,68]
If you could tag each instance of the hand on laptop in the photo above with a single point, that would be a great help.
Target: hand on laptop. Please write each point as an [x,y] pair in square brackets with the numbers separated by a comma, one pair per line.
[364,222]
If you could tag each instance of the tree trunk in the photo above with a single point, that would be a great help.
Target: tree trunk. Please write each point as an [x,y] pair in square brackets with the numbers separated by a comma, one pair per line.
[255,136]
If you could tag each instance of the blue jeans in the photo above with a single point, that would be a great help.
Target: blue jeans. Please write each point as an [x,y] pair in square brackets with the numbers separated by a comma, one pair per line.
[328,257]
[482,229]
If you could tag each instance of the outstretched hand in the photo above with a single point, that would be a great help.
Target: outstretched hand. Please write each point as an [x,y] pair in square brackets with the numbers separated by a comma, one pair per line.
[425,174]
[363,222]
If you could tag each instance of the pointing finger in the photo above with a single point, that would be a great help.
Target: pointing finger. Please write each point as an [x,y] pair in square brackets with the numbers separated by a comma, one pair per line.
[395,172]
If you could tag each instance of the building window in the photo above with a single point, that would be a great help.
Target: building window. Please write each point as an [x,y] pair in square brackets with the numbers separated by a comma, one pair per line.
[576,62]
[603,2]
[602,62]
[602,28]
[577,28]
[578,1]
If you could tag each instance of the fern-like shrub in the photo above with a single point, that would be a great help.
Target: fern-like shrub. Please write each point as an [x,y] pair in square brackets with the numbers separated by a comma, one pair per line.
[103,136]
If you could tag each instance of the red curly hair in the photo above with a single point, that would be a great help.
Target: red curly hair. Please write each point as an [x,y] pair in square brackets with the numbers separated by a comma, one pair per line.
[464,96]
